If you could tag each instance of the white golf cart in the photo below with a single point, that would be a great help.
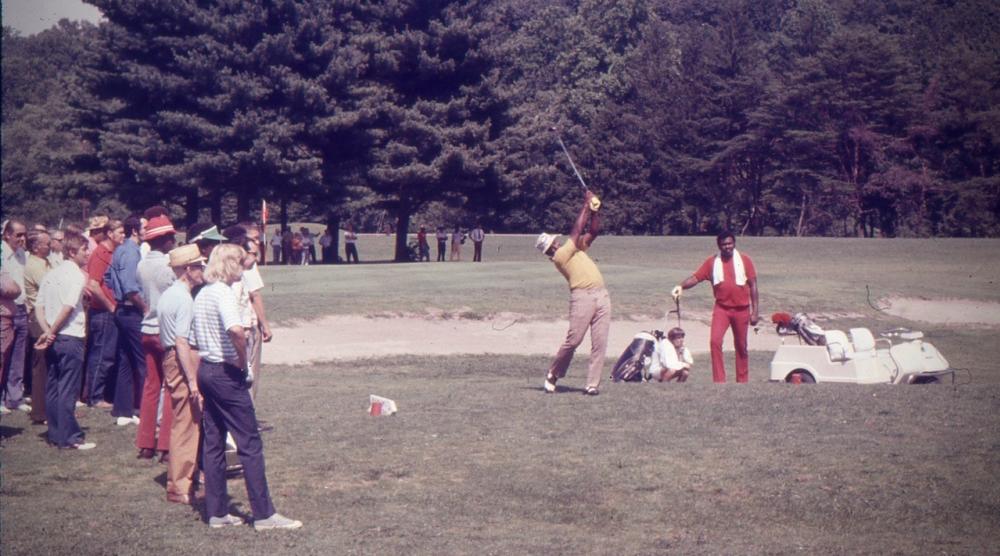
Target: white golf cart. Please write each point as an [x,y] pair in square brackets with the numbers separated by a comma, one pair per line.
[899,356]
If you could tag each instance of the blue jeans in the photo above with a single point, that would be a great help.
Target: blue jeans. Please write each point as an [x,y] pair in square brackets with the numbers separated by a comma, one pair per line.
[102,353]
[65,360]
[131,364]
[13,387]
[228,407]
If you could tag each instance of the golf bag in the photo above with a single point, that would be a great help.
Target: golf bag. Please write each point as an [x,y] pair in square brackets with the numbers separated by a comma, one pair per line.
[635,360]
[800,324]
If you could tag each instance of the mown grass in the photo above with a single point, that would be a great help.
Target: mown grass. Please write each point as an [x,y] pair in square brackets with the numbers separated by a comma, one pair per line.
[795,274]
[479,460]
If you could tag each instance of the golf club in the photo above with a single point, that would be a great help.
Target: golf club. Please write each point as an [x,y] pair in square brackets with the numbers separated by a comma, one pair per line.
[677,303]
[570,159]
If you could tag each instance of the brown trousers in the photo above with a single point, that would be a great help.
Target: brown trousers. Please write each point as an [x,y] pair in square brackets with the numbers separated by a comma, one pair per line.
[184,430]
[39,371]
[588,309]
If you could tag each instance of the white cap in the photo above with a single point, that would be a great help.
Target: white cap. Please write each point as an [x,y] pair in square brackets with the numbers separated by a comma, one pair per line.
[544,241]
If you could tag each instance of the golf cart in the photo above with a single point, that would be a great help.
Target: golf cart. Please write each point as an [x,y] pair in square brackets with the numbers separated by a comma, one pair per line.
[898,356]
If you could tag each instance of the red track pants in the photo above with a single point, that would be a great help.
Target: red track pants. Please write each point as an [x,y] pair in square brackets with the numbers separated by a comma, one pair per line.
[739,319]
[146,436]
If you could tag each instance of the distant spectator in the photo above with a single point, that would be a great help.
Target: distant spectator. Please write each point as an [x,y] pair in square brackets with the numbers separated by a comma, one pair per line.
[308,246]
[276,247]
[477,235]
[326,247]
[350,241]
[457,239]
[442,242]
[422,245]
[298,249]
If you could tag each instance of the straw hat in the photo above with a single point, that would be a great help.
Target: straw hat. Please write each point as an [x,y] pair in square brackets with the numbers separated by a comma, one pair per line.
[185,255]
[97,223]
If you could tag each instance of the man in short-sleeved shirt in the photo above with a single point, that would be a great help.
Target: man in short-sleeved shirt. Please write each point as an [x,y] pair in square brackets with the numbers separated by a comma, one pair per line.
[590,304]
[734,283]
[60,314]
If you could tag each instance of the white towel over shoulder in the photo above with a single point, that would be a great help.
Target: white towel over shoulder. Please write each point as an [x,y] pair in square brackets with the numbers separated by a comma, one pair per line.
[741,273]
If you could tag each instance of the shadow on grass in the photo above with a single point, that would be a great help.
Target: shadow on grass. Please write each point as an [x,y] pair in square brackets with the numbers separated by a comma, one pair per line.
[10,432]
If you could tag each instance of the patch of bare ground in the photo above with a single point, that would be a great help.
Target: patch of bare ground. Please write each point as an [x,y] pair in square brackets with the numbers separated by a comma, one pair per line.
[945,311]
[462,331]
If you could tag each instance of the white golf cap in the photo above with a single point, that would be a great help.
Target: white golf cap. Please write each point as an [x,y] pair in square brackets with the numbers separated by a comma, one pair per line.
[544,241]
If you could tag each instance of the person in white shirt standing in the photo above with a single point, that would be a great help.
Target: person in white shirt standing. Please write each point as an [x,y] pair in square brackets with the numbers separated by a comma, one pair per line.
[222,380]
[60,314]
[477,235]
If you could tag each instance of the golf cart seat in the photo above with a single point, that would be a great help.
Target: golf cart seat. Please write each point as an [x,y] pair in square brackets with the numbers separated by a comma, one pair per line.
[863,341]
[838,345]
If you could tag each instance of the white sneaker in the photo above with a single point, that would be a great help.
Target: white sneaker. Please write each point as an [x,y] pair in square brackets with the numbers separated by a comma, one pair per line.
[224,521]
[82,446]
[125,421]
[24,407]
[4,410]
[550,384]
[276,521]
[80,404]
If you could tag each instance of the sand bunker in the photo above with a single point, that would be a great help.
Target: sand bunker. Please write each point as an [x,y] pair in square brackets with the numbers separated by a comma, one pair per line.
[946,311]
[343,337]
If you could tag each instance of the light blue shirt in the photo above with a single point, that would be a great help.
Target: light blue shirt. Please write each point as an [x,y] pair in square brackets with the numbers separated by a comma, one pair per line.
[176,312]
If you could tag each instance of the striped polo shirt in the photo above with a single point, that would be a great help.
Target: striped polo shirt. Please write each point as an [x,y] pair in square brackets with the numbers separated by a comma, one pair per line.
[215,312]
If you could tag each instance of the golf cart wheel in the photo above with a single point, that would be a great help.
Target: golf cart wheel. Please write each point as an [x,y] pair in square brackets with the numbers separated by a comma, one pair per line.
[926,380]
[804,377]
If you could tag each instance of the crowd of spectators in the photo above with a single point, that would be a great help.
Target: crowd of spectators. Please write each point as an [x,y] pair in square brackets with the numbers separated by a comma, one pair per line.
[119,316]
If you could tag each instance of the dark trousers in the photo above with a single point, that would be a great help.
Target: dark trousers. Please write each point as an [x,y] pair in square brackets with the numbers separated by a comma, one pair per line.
[65,359]
[13,386]
[102,354]
[328,257]
[228,408]
[477,255]
[132,363]
[441,249]
[351,251]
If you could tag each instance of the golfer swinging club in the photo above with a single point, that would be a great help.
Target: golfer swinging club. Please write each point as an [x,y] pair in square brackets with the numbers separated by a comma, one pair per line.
[734,282]
[589,303]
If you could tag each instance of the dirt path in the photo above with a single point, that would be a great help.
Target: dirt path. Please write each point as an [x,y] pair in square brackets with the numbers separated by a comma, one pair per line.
[353,336]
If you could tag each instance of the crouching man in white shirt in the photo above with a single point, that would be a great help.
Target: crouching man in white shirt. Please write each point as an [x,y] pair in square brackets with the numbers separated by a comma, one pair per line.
[671,360]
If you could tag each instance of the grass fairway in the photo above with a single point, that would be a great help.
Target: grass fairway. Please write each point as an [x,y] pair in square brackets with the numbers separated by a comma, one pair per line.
[480,461]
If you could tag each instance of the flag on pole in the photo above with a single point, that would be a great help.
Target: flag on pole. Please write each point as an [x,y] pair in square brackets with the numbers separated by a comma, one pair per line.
[263,212]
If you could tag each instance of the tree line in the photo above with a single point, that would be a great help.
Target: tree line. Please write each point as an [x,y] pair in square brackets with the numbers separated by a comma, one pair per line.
[776,117]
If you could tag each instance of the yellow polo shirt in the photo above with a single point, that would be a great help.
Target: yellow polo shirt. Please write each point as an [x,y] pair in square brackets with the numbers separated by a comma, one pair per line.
[579,270]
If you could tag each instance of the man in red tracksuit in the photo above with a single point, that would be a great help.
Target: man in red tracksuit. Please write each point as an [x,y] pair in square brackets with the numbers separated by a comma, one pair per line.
[734,283]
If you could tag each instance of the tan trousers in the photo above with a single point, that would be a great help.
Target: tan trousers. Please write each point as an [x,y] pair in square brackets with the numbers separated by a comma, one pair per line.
[254,349]
[39,371]
[184,430]
[588,309]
